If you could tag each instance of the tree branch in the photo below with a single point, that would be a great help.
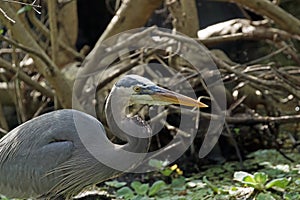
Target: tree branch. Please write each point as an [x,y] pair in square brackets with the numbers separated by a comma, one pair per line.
[41,27]
[42,62]
[266,8]
[256,80]
[6,16]
[44,58]
[24,77]
[263,119]
[185,16]
[131,14]
[259,33]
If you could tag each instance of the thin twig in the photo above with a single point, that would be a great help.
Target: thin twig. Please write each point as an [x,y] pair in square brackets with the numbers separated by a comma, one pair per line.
[266,8]
[45,31]
[24,77]
[40,109]
[7,17]
[48,62]
[3,131]
[175,129]
[256,80]
[18,92]
[270,55]
[23,3]
[263,119]
[235,144]
[43,63]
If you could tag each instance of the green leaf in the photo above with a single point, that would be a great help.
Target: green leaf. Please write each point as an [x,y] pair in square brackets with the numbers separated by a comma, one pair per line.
[244,177]
[24,9]
[265,196]
[278,184]
[195,184]
[3,198]
[260,177]
[178,182]
[138,197]
[156,187]
[212,186]
[166,172]
[250,180]
[291,196]
[135,184]
[115,184]
[125,192]
[237,131]
[140,188]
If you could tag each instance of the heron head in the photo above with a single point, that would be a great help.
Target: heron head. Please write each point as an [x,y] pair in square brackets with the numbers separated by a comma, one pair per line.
[143,91]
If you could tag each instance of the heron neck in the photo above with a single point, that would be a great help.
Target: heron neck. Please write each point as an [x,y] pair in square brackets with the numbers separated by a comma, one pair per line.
[124,127]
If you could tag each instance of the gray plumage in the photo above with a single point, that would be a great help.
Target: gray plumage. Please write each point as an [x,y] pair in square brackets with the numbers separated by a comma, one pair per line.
[31,153]
[47,158]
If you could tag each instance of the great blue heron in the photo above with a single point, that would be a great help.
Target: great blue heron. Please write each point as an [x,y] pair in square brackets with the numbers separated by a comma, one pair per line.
[45,158]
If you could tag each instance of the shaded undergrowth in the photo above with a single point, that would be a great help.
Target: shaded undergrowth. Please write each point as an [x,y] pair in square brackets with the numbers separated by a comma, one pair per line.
[266,174]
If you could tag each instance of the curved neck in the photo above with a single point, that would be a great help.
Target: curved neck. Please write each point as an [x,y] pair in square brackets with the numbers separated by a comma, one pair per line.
[124,127]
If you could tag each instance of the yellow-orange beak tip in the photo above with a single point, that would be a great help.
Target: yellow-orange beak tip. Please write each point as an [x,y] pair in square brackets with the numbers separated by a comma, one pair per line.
[202,105]
[170,97]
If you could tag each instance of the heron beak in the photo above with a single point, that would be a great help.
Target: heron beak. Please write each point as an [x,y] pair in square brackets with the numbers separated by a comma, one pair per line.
[170,97]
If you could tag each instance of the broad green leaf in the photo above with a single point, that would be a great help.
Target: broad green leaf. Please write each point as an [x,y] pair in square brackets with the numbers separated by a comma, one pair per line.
[291,196]
[278,184]
[195,183]
[140,188]
[135,184]
[143,189]
[125,192]
[138,197]
[249,180]
[115,184]
[178,182]
[244,177]
[260,177]
[265,196]
[24,9]
[156,187]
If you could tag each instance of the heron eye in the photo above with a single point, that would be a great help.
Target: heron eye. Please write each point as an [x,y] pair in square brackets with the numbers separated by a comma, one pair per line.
[137,88]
